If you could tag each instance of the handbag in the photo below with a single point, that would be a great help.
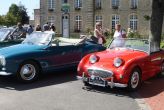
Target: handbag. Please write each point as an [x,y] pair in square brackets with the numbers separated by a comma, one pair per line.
[93,38]
[104,40]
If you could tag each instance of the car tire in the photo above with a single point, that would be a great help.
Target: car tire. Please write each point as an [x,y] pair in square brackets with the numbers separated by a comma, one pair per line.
[86,84]
[28,72]
[134,80]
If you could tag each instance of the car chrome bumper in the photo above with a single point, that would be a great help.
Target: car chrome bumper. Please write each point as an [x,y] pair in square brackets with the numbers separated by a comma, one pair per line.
[3,73]
[111,84]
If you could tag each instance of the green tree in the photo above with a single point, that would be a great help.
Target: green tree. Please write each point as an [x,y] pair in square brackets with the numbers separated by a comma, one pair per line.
[10,19]
[14,10]
[2,20]
[156,22]
[23,16]
[17,14]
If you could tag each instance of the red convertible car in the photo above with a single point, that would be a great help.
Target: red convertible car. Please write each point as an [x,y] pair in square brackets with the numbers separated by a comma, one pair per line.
[126,63]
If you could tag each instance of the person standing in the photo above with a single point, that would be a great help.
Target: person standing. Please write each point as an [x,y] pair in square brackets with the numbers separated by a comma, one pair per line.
[30,29]
[53,28]
[46,27]
[119,36]
[38,28]
[119,33]
[98,33]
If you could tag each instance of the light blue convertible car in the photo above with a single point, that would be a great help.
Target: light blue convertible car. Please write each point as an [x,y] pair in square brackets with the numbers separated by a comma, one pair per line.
[42,52]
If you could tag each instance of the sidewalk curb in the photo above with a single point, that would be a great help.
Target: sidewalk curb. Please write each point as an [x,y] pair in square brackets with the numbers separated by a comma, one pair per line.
[141,102]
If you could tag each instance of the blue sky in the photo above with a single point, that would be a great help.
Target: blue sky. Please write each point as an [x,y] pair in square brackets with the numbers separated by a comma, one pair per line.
[29,4]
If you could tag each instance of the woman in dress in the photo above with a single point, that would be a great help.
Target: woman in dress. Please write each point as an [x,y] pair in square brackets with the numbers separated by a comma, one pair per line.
[98,33]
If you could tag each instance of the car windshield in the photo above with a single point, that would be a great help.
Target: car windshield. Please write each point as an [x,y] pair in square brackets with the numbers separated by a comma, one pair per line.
[135,44]
[38,38]
[3,34]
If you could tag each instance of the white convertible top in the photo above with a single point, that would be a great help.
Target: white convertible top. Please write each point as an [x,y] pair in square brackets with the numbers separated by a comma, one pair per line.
[70,40]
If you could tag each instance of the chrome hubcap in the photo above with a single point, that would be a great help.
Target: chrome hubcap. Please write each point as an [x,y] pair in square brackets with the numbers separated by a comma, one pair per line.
[27,72]
[135,79]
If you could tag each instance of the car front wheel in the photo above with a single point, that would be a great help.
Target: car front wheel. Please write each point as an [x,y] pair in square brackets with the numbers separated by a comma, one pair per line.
[28,72]
[135,80]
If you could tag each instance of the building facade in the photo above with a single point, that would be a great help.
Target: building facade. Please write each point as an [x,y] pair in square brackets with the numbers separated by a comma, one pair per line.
[36,17]
[83,14]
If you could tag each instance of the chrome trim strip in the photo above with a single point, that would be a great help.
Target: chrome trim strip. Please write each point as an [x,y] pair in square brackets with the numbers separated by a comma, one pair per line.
[111,84]
[79,77]
[3,73]
[156,59]
[96,84]
[117,84]
[95,68]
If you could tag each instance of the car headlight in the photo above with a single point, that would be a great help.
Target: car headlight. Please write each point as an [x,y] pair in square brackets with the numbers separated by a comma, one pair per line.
[93,59]
[118,62]
[2,61]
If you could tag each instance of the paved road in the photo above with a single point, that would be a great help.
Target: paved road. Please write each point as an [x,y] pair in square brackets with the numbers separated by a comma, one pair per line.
[61,92]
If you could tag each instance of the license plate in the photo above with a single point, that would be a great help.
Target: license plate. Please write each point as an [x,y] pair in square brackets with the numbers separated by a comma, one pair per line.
[98,81]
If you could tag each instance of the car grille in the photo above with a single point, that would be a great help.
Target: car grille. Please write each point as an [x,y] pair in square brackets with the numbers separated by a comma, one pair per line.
[101,73]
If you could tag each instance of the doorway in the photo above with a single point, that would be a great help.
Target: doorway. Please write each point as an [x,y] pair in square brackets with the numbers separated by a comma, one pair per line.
[65,25]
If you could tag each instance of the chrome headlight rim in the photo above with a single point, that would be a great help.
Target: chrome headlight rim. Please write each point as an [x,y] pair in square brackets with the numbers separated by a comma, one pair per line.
[93,59]
[2,60]
[118,62]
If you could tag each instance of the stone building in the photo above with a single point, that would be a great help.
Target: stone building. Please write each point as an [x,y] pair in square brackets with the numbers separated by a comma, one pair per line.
[81,15]
[36,17]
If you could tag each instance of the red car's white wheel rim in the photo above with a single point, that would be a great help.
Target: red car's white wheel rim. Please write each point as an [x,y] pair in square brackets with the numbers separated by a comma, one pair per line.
[135,80]
[27,72]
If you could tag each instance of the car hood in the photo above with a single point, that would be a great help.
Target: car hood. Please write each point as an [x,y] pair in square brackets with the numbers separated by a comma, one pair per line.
[20,48]
[125,54]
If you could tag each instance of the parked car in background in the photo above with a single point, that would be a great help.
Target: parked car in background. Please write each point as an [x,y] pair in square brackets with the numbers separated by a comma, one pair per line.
[41,52]
[7,37]
[126,63]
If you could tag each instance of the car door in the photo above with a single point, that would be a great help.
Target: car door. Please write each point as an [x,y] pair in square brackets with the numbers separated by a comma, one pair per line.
[75,54]
[64,55]
[155,62]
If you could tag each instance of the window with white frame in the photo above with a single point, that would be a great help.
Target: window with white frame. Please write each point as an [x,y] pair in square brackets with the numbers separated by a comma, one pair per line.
[78,3]
[115,3]
[64,1]
[133,4]
[133,22]
[98,4]
[78,23]
[99,19]
[115,20]
[51,19]
[51,4]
